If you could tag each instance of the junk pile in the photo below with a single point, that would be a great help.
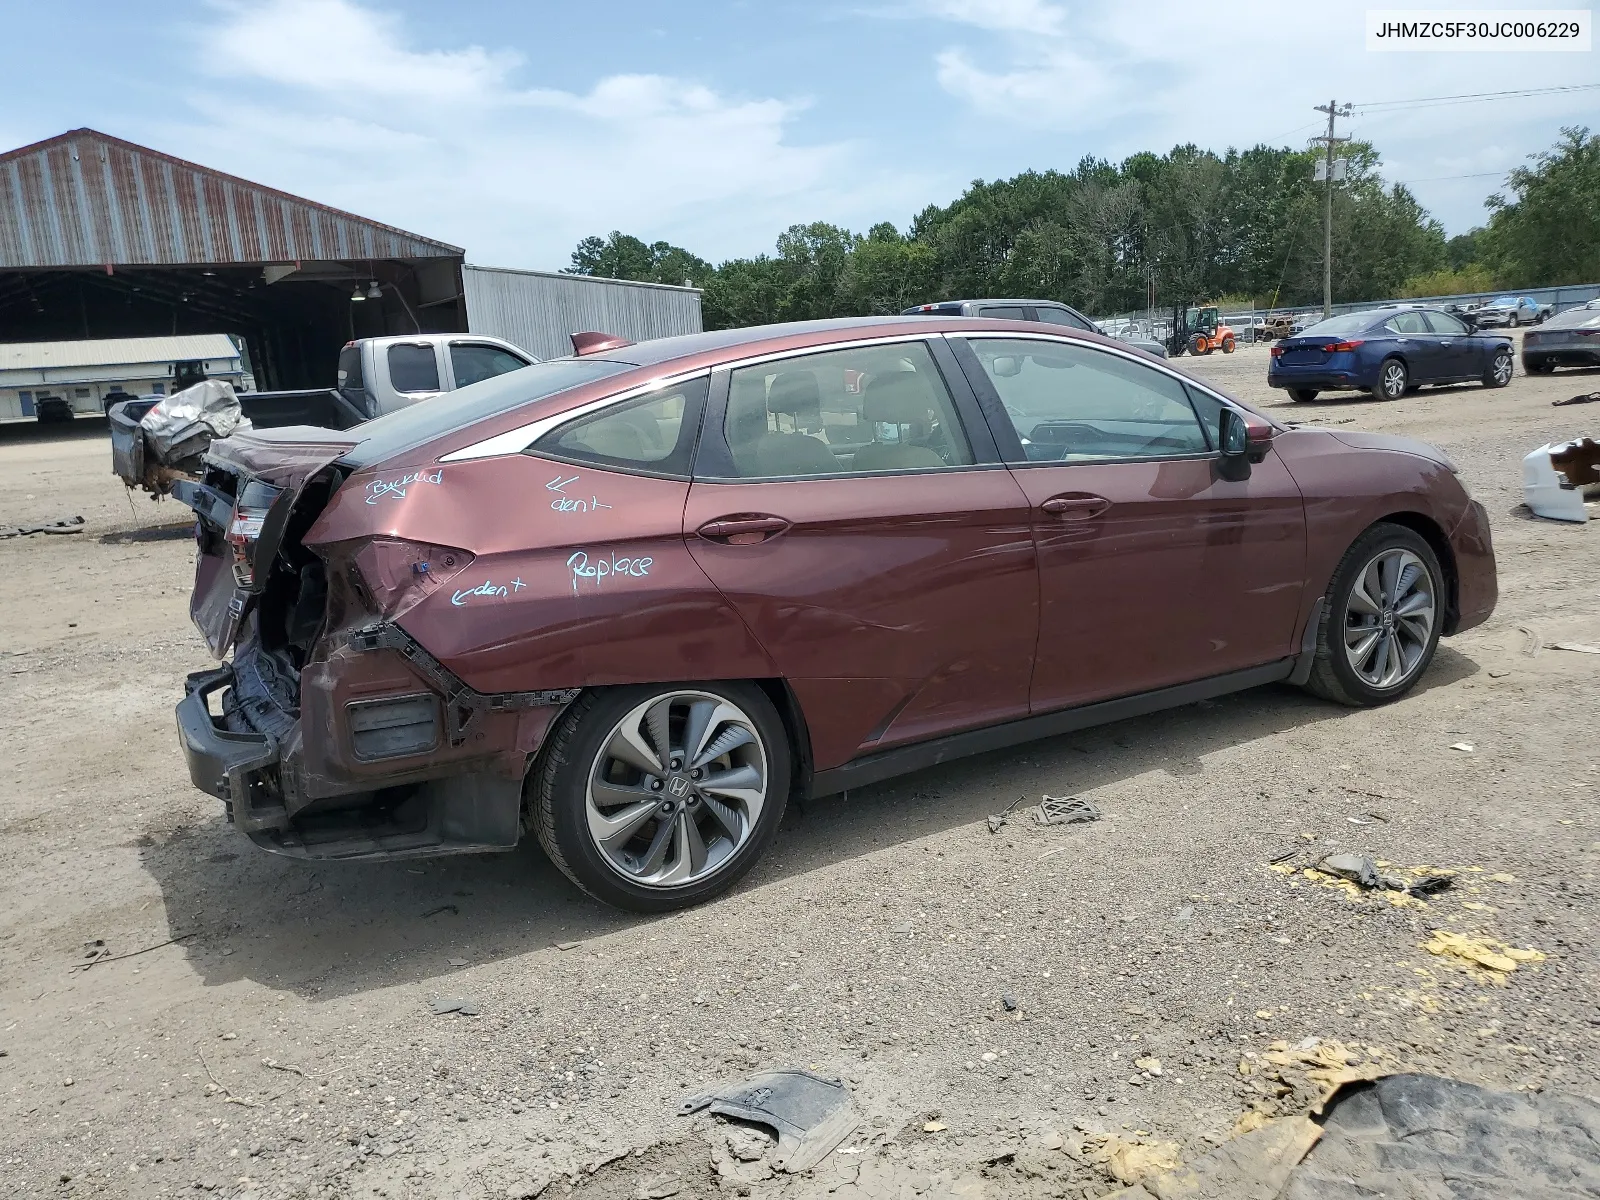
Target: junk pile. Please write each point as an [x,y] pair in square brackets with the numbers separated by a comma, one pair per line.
[1558,479]
[152,447]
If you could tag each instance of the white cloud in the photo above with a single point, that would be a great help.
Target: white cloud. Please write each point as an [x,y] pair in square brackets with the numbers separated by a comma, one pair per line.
[331,100]
[1119,79]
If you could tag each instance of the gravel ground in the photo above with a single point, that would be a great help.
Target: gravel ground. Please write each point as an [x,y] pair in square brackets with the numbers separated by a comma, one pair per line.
[270,1031]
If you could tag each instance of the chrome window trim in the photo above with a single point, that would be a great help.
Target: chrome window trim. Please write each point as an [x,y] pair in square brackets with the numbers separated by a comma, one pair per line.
[1156,364]
[515,441]
[823,348]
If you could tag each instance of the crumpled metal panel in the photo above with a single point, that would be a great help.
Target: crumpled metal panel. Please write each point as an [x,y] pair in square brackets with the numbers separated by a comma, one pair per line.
[85,199]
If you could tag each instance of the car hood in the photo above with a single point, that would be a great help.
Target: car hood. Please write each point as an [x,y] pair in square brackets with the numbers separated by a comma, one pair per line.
[1360,440]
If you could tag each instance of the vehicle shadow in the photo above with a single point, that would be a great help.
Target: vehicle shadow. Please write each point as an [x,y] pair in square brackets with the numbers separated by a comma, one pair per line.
[82,428]
[178,532]
[327,930]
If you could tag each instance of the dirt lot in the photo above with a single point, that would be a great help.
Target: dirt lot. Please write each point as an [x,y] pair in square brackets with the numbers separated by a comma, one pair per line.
[271,1030]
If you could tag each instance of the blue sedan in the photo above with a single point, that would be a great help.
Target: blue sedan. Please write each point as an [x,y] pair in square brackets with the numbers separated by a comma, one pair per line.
[1388,352]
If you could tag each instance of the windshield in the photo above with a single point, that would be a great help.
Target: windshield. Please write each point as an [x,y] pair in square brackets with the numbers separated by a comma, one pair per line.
[399,431]
[1503,302]
[1348,323]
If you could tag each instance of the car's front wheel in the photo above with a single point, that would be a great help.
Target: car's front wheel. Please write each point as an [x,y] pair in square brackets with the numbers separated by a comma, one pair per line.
[1392,380]
[1381,626]
[1498,373]
[658,797]
[1513,320]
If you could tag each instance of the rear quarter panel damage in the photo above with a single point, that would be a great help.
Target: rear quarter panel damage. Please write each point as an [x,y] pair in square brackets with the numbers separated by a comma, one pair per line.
[580,576]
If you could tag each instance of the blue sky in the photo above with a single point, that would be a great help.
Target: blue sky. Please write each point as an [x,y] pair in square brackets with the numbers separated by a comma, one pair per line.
[515,129]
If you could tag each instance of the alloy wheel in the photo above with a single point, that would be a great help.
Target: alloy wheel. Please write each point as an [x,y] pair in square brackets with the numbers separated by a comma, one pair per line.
[1388,619]
[676,789]
[1502,369]
[1394,380]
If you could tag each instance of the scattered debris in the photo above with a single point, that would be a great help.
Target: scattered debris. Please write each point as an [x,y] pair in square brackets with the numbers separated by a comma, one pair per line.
[1010,1001]
[466,1007]
[1576,647]
[1131,1161]
[1487,960]
[1356,875]
[1585,398]
[660,1187]
[568,945]
[1066,810]
[434,912]
[64,525]
[275,1065]
[934,1127]
[810,1114]
[1555,475]
[1464,747]
[1150,1064]
[99,952]
[227,1096]
[1533,645]
[997,821]
[1351,866]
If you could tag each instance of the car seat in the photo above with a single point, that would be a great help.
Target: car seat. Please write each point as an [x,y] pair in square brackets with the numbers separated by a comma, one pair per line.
[900,398]
[778,452]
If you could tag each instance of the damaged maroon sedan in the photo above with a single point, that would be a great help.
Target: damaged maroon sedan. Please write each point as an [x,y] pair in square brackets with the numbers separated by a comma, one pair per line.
[634,600]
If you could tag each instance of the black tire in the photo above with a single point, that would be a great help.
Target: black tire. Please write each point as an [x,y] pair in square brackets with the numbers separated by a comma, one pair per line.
[1513,321]
[1198,346]
[1498,373]
[1333,677]
[1304,395]
[558,789]
[1393,379]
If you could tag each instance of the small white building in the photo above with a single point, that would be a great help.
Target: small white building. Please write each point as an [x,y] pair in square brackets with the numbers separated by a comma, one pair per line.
[83,374]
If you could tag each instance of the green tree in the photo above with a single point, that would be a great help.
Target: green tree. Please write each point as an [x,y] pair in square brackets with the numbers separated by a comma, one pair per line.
[1549,231]
[622,256]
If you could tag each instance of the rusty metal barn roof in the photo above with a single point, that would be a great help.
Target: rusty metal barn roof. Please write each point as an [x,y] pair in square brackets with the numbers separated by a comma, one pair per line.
[85,199]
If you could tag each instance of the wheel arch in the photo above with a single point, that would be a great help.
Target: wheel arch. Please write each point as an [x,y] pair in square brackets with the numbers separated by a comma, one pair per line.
[1429,531]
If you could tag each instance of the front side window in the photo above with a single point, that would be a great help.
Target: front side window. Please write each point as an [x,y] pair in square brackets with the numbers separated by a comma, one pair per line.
[1004,312]
[866,408]
[474,362]
[1075,403]
[654,434]
[413,368]
[1060,316]
[1444,323]
[1406,322]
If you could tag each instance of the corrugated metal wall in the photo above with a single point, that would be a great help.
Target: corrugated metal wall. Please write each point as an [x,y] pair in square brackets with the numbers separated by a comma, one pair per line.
[86,199]
[540,311]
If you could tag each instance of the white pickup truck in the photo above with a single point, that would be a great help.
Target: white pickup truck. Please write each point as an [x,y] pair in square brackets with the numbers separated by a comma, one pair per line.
[375,376]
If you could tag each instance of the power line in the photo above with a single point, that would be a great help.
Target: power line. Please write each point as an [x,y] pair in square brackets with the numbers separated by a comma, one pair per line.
[1438,178]
[1376,106]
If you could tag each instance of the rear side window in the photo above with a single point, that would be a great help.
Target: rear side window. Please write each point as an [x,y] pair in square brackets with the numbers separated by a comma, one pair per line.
[1406,322]
[1060,316]
[856,410]
[654,434]
[1004,312]
[413,368]
[475,362]
[350,375]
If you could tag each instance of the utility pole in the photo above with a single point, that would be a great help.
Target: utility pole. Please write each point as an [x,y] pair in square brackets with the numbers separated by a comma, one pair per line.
[1333,109]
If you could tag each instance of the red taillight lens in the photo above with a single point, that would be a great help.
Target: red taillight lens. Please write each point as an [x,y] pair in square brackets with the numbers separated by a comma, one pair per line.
[1341,347]
[396,575]
[1277,352]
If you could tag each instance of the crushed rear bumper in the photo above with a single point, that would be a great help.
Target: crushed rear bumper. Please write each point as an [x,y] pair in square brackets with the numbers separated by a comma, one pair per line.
[224,763]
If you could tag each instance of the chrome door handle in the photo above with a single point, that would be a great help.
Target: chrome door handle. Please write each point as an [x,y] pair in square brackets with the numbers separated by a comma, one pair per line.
[1075,508]
[743,529]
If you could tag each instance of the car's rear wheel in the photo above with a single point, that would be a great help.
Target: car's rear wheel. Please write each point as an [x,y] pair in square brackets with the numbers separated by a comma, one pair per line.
[1304,395]
[659,797]
[1499,371]
[1392,379]
[1381,626]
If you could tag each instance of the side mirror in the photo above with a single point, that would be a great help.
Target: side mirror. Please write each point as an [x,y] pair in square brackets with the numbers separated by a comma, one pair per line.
[1243,439]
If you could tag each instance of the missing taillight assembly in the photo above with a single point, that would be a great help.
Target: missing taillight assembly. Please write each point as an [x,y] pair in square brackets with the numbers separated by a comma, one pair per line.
[394,575]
